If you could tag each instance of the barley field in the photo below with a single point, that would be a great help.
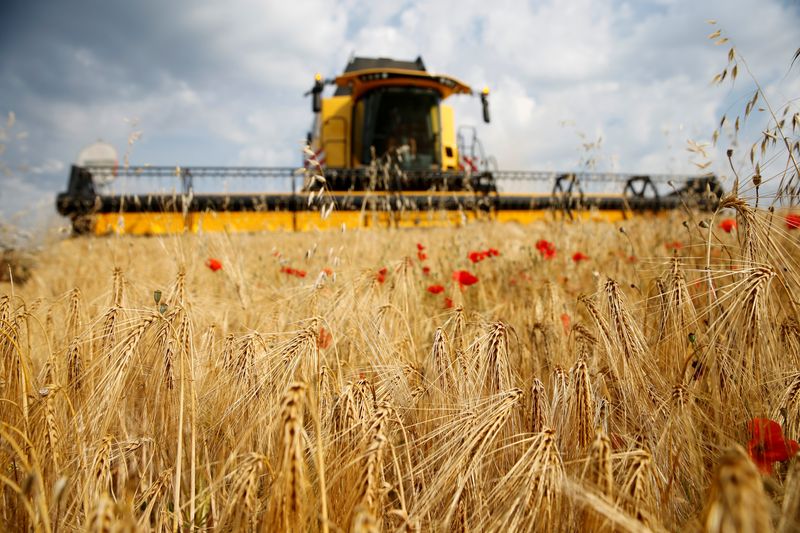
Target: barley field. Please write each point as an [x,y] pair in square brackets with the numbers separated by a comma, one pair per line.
[553,377]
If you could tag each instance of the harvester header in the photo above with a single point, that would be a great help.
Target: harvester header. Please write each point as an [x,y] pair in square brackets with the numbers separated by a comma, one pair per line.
[383,150]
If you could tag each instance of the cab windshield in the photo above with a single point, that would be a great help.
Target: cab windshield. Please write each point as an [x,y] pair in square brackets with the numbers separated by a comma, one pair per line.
[401,122]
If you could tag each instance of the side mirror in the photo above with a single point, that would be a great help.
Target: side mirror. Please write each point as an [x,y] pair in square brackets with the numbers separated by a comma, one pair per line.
[316,102]
[485,104]
[316,94]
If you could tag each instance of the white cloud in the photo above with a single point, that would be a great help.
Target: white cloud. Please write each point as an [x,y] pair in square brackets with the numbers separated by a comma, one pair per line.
[275,43]
[48,166]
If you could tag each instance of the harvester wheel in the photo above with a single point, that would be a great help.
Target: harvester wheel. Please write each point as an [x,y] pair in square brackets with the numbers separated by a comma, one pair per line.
[641,193]
[82,225]
[567,193]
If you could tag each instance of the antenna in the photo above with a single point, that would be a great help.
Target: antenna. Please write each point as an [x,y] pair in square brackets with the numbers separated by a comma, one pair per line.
[100,154]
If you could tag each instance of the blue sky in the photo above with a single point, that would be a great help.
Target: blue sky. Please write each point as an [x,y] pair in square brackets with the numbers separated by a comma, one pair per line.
[221,83]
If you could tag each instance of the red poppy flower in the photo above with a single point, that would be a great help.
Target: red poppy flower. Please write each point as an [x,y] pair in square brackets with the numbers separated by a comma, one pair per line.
[426,270]
[727,225]
[381,275]
[324,338]
[422,256]
[546,248]
[792,221]
[293,272]
[768,445]
[328,271]
[435,289]
[579,256]
[674,245]
[448,303]
[492,252]
[631,259]
[464,278]
[565,322]
[420,247]
[476,257]
[214,264]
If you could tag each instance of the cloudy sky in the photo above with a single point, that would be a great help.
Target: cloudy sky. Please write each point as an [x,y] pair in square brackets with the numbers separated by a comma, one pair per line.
[221,83]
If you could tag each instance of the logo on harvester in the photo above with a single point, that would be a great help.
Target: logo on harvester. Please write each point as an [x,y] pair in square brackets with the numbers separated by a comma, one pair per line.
[317,159]
[468,163]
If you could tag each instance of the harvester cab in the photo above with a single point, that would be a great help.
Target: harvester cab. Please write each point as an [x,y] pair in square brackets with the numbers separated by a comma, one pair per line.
[387,109]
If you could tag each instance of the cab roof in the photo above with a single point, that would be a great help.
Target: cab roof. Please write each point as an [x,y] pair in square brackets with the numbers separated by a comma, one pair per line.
[363,74]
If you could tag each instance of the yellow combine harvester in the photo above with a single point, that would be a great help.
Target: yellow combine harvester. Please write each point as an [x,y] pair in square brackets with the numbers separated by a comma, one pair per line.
[381,105]
[383,151]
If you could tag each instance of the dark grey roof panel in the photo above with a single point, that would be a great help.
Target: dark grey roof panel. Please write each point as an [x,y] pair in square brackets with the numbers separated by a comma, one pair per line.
[361,63]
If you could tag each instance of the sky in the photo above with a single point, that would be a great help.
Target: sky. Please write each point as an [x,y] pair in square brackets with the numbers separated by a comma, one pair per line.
[191,82]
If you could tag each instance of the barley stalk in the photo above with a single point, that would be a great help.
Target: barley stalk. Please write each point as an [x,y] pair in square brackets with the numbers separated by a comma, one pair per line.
[736,500]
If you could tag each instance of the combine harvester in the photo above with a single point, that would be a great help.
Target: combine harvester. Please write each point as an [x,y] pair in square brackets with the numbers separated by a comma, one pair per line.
[386,153]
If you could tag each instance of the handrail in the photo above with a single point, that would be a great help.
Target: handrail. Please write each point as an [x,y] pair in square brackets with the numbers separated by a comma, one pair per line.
[420,190]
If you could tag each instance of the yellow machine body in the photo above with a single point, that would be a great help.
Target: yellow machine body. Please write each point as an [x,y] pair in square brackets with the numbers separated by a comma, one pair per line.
[335,132]
[252,222]
[338,132]
[255,221]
